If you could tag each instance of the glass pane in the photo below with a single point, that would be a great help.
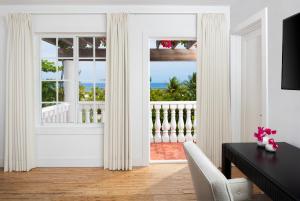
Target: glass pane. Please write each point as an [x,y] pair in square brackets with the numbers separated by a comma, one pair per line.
[48,48]
[66,69]
[65,47]
[86,47]
[100,71]
[86,91]
[86,70]
[100,92]
[63,89]
[100,43]
[48,91]
[49,69]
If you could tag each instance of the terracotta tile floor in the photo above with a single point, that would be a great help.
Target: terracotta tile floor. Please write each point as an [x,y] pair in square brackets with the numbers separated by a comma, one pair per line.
[167,151]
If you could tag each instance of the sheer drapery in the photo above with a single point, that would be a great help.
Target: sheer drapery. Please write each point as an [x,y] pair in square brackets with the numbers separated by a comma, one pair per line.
[213,90]
[117,138]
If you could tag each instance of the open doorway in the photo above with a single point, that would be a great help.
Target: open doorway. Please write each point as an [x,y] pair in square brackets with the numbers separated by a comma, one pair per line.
[172,97]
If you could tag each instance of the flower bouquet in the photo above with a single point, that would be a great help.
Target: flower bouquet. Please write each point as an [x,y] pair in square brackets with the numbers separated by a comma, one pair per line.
[271,146]
[262,135]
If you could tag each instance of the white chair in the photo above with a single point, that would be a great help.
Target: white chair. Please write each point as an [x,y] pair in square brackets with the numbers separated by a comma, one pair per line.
[209,183]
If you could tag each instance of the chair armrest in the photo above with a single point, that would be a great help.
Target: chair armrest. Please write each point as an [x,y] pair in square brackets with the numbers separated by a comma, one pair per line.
[241,189]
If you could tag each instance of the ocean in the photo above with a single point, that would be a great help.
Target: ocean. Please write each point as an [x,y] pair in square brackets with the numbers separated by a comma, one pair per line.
[88,86]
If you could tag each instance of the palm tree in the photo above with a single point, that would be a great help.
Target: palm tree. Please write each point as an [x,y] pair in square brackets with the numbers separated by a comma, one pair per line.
[173,85]
[190,84]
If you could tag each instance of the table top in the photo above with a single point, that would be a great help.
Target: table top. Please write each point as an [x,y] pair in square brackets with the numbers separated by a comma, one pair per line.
[282,167]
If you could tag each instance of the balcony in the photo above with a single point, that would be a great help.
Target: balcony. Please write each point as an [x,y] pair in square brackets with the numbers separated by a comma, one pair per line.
[171,123]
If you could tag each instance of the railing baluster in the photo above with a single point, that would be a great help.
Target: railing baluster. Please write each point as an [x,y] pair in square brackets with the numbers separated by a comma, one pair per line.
[181,137]
[95,114]
[173,136]
[188,123]
[80,114]
[165,125]
[151,125]
[195,122]
[87,114]
[157,137]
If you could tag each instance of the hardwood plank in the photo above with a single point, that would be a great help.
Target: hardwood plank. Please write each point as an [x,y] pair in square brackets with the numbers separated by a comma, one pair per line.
[159,182]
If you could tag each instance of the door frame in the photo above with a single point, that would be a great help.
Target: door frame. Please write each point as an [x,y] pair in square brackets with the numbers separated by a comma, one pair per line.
[258,20]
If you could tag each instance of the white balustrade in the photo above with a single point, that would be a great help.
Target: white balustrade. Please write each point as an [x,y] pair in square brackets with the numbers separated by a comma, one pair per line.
[173,135]
[165,125]
[157,125]
[188,123]
[179,129]
[87,113]
[181,137]
[151,124]
[55,113]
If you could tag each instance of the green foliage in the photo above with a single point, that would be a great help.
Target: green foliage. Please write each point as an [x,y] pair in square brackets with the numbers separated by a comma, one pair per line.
[49,66]
[176,91]
[48,91]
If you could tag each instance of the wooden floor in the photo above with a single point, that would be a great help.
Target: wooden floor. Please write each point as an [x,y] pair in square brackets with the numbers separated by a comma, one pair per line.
[159,182]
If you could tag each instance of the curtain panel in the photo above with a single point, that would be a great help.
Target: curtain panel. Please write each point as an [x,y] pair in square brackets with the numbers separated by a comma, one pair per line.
[117,138]
[213,89]
[19,104]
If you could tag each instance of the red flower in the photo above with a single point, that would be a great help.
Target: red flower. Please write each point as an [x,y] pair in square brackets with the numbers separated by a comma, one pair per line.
[259,137]
[166,43]
[270,131]
[273,143]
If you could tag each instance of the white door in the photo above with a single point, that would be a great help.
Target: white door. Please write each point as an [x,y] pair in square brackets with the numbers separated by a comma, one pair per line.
[251,88]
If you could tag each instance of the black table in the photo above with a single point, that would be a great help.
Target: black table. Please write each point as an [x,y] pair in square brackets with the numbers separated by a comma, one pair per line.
[277,174]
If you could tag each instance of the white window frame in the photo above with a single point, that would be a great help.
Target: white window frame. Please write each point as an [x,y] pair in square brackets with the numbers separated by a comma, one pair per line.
[75,58]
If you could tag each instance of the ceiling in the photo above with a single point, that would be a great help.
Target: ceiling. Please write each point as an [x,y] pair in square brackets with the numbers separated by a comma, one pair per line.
[116,2]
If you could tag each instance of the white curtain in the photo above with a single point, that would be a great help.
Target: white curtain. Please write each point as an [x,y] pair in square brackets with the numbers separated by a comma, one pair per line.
[117,138]
[19,114]
[213,93]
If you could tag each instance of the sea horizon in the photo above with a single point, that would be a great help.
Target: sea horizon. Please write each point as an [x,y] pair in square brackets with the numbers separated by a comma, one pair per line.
[153,85]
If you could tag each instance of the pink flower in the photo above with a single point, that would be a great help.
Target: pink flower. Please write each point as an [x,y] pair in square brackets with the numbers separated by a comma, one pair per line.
[273,143]
[166,43]
[270,131]
[259,137]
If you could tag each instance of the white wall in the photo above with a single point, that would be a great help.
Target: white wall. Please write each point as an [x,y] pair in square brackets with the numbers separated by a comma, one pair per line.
[284,106]
[63,146]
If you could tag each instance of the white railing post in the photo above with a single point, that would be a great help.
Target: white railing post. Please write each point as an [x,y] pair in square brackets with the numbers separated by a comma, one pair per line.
[95,114]
[165,124]
[173,136]
[181,137]
[87,114]
[188,123]
[102,113]
[151,125]
[157,137]
[80,113]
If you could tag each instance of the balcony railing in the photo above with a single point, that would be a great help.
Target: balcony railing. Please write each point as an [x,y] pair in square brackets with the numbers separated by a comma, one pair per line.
[86,112]
[172,121]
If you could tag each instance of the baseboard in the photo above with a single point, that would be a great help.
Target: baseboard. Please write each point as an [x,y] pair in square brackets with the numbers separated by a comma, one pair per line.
[1,162]
[69,162]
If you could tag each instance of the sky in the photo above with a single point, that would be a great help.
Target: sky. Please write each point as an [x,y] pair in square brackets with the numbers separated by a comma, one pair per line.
[160,72]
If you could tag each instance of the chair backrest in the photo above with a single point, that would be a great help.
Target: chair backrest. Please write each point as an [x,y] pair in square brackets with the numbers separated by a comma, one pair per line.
[209,183]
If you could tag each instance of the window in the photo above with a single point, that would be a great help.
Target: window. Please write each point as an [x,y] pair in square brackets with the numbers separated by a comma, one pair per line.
[72,79]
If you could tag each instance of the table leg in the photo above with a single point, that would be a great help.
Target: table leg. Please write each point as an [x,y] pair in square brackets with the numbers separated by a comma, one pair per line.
[226,165]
